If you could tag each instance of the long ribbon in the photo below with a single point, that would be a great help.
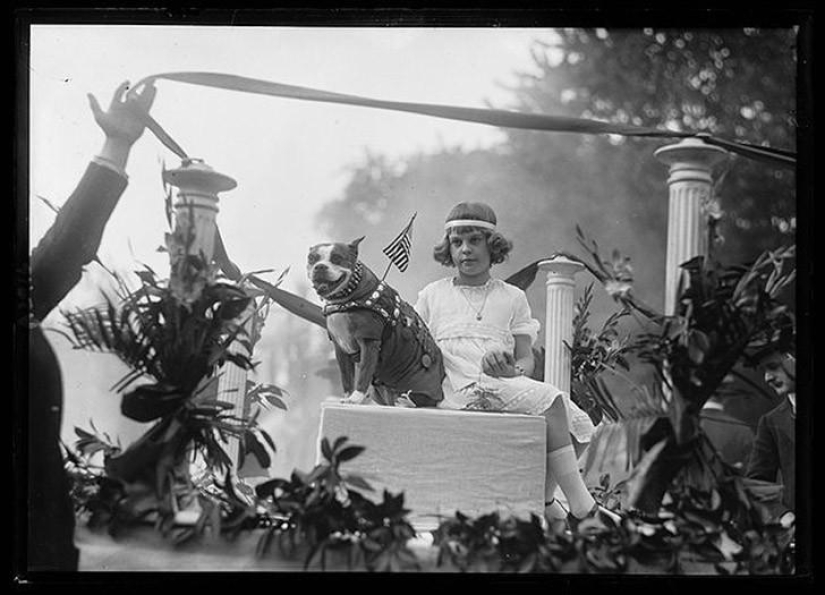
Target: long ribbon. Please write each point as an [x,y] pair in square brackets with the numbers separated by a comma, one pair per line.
[505,119]
[492,117]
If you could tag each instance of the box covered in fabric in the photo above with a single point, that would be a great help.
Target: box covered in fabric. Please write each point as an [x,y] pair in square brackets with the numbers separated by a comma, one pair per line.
[443,460]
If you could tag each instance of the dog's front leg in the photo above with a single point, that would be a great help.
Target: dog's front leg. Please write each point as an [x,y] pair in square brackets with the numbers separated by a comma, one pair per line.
[347,369]
[364,369]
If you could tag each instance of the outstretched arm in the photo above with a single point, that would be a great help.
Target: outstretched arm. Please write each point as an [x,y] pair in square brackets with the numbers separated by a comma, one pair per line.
[74,237]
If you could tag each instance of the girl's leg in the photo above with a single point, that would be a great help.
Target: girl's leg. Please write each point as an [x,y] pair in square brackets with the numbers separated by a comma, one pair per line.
[562,463]
[553,510]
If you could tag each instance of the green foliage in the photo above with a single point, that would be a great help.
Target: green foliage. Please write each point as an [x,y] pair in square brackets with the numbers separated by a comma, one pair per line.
[176,343]
[325,513]
[491,543]
[723,313]
[265,394]
[692,533]
[178,334]
[592,354]
[733,83]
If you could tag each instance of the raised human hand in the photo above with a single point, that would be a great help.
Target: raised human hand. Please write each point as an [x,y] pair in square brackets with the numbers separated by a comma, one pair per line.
[125,119]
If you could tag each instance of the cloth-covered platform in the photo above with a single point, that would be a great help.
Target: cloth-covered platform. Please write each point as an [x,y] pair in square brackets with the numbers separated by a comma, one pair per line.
[444,460]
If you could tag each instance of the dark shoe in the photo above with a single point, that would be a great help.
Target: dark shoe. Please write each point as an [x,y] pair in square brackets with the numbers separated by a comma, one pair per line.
[551,522]
[598,512]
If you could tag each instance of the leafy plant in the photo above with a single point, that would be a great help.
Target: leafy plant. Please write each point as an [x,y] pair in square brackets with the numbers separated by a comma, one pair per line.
[592,354]
[178,334]
[692,533]
[492,543]
[325,513]
[722,314]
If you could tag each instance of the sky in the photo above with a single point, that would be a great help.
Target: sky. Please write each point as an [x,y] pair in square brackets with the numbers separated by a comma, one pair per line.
[288,157]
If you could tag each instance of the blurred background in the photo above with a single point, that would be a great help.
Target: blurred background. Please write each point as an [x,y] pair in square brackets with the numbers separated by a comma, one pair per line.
[311,172]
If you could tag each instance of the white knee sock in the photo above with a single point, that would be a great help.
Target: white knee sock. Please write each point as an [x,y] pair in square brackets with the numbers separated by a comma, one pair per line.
[554,510]
[563,466]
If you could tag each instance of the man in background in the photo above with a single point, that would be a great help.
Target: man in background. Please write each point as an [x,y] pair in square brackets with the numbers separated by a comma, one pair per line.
[773,457]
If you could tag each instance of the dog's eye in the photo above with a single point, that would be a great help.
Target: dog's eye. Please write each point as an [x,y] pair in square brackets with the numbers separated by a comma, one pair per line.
[312,259]
[335,259]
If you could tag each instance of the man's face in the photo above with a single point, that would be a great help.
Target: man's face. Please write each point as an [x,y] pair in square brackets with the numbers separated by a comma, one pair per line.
[780,373]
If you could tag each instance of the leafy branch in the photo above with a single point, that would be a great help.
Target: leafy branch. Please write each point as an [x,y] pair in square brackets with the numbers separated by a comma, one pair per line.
[725,314]
[325,511]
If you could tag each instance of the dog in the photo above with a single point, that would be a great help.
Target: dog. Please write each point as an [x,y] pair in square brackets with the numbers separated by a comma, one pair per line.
[383,348]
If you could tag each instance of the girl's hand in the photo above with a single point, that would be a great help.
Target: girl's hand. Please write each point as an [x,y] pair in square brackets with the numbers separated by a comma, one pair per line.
[499,364]
[124,121]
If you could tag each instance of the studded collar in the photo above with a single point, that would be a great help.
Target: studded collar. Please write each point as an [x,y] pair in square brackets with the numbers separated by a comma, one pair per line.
[354,280]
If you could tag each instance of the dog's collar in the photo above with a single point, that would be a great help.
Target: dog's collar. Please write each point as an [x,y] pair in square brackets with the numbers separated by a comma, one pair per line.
[384,301]
[354,280]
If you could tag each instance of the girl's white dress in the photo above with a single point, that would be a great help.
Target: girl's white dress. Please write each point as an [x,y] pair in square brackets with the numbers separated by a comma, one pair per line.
[466,322]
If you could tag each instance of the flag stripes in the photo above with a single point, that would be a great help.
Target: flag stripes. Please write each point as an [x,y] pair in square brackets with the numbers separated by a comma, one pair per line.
[398,251]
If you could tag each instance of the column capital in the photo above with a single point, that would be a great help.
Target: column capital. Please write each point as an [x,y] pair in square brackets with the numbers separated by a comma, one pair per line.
[560,267]
[691,158]
[196,207]
[195,176]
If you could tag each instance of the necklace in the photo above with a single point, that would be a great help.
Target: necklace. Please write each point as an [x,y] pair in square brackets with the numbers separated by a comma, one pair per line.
[477,309]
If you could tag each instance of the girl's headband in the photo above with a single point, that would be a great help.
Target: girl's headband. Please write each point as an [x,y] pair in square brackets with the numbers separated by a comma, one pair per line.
[469,223]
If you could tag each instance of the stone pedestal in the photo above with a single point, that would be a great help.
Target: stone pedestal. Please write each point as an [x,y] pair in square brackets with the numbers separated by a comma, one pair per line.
[444,460]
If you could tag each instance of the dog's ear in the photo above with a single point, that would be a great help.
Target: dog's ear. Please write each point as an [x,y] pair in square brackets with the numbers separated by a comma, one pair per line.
[353,246]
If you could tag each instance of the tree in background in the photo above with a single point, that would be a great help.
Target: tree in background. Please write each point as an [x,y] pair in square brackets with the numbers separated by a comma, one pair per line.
[735,84]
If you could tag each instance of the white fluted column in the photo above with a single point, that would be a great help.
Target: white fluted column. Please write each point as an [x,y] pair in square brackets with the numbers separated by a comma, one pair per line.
[196,210]
[558,319]
[691,164]
[197,202]
[232,383]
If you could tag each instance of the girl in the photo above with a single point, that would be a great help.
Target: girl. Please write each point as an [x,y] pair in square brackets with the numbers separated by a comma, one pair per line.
[485,330]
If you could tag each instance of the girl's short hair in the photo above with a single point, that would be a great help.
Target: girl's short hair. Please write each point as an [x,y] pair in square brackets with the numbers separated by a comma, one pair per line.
[497,244]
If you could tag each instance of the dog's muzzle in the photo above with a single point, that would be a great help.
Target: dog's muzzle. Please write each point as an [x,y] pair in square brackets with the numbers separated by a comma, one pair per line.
[323,280]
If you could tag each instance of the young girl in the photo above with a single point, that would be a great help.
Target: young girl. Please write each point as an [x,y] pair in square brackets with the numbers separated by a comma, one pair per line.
[485,330]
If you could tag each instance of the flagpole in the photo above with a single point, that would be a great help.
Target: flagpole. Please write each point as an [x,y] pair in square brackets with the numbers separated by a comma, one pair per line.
[384,276]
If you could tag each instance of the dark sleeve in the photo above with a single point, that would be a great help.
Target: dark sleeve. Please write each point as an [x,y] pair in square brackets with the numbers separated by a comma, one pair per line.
[73,239]
[764,459]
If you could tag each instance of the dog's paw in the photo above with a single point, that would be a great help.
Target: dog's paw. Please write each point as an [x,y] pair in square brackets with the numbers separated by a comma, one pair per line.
[355,398]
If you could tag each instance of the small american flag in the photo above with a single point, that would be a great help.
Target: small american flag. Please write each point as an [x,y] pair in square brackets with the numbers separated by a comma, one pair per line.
[398,251]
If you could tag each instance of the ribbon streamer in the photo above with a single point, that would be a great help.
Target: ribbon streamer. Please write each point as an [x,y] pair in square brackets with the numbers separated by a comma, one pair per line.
[492,117]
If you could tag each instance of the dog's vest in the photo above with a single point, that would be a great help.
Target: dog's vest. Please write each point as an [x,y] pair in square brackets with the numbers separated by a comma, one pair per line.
[406,341]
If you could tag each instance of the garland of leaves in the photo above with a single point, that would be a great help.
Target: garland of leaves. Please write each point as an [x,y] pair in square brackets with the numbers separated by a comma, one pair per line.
[323,516]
